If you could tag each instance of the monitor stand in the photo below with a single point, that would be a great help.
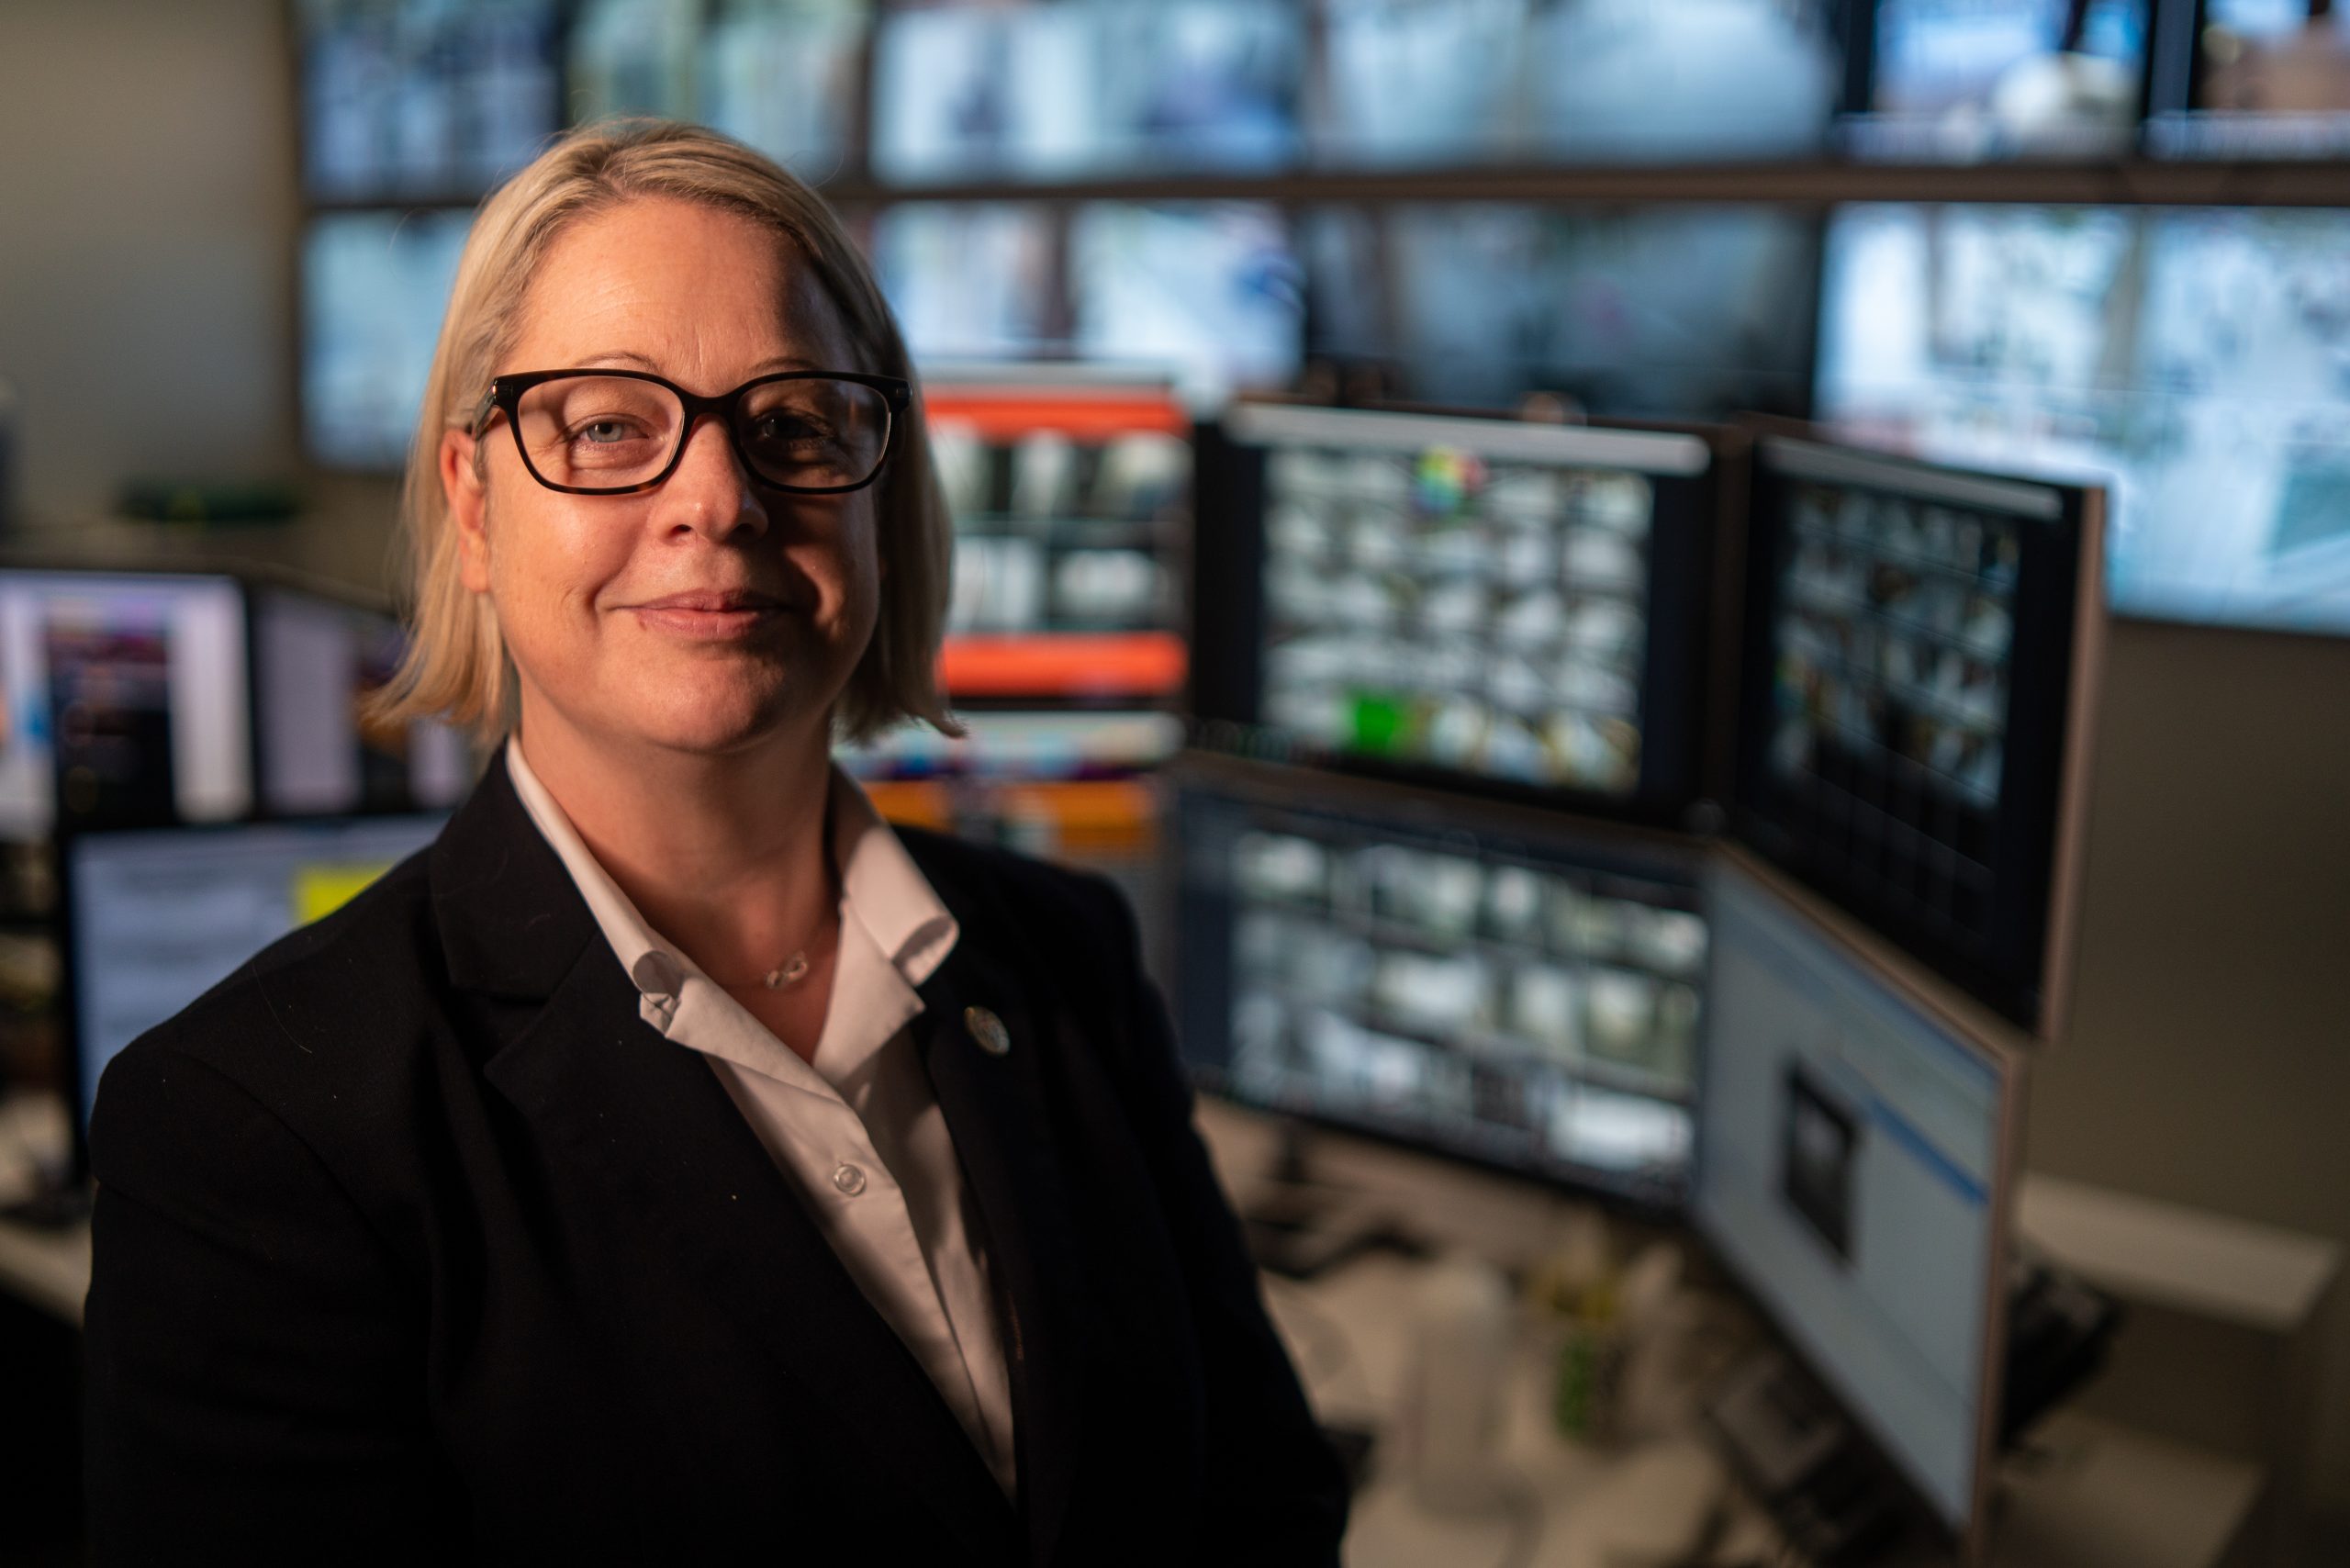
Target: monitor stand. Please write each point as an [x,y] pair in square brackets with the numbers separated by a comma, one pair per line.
[1300,1225]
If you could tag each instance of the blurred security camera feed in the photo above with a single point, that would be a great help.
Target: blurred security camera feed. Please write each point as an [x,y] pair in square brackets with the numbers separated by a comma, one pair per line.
[1681,313]
[1477,614]
[1431,82]
[373,287]
[2192,359]
[1896,623]
[1046,91]
[1511,1002]
[2269,79]
[1962,80]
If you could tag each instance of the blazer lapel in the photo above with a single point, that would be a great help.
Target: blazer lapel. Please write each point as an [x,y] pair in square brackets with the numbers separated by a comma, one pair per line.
[995,1107]
[639,1128]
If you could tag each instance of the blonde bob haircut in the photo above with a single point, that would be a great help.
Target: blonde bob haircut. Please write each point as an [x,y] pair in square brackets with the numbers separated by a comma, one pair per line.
[457,668]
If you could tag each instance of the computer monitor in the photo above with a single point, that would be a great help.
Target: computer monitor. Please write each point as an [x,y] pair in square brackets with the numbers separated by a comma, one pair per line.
[419,99]
[1961,80]
[1072,507]
[1915,705]
[1522,608]
[1687,311]
[374,286]
[2182,356]
[2252,79]
[1212,290]
[317,659]
[1077,87]
[969,280]
[1484,982]
[127,699]
[1855,1145]
[156,917]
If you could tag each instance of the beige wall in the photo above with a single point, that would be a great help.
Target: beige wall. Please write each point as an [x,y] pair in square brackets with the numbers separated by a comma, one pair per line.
[147,214]
[2210,1057]
[146,210]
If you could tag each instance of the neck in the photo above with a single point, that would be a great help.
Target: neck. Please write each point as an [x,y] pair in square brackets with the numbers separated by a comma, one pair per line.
[724,856]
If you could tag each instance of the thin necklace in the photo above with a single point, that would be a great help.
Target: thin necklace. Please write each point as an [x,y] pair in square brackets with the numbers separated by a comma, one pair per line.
[794,970]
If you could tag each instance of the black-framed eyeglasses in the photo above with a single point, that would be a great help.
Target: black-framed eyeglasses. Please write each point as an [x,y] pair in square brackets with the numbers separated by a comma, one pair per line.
[613,432]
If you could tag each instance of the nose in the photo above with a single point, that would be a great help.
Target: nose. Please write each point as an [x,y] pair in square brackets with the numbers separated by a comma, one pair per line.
[709,492]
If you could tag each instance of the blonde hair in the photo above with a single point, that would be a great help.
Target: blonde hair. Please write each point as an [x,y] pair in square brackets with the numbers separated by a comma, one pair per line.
[456,666]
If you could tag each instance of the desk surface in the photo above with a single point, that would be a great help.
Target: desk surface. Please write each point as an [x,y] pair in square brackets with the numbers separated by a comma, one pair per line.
[2088,1493]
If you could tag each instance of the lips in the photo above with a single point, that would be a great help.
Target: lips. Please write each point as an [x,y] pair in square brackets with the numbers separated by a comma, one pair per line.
[705,615]
[713,601]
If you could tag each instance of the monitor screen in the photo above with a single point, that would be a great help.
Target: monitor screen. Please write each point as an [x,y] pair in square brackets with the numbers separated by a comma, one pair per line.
[316,659]
[1521,606]
[126,700]
[1968,79]
[157,918]
[1503,991]
[1046,91]
[786,79]
[969,280]
[1433,82]
[1913,704]
[2184,357]
[374,286]
[1672,312]
[421,99]
[1211,290]
[1072,507]
[2257,79]
[1853,1151]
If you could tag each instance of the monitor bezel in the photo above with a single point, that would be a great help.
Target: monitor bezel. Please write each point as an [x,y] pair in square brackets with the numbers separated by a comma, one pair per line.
[1959,1018]
[1667,857]
[2034,987]
[1696,469]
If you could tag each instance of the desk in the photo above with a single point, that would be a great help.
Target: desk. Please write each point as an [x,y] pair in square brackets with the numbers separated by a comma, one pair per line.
[2088,1493]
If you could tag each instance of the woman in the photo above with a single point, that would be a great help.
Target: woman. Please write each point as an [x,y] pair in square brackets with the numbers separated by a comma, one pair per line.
[674,1162]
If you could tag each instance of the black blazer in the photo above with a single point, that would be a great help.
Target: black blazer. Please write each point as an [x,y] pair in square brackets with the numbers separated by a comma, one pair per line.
[414,1242]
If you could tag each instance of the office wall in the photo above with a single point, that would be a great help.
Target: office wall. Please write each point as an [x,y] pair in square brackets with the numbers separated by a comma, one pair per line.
[2210,1058]
[147,202]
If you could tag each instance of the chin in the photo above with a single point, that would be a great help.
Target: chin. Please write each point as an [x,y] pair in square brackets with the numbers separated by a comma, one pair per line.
[713,723]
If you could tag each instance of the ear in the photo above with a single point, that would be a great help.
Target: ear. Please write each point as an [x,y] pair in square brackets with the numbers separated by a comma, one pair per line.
[461,484]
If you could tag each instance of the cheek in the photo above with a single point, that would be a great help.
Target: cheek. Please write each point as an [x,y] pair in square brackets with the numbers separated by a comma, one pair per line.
[546,565]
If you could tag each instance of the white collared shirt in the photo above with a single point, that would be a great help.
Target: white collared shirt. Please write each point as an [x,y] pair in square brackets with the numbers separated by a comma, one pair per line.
[857,1133]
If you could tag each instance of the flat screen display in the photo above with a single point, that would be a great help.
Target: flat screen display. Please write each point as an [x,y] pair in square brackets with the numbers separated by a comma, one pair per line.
[317,660]
[127,700]
[1516,605]
[969,280]
[1854,1153]
[1046,91]
[2186,357]
[1969,79]
[1072,507]
[1213,291]
[374,287]
[2262,79]
[1911,700]
[160,917]
[786,79]
[410,99]
[1676,312]
[1526,1000]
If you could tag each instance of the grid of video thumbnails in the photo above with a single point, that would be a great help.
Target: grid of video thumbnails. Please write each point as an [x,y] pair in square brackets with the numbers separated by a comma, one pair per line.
[1061,532]
[1441,608]
[1895,627]
[1539,1016]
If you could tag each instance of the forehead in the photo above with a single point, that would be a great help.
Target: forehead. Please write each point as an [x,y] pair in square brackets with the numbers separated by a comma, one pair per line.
[706,296]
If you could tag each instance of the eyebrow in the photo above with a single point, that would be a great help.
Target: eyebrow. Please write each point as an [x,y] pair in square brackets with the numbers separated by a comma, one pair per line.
[643,361]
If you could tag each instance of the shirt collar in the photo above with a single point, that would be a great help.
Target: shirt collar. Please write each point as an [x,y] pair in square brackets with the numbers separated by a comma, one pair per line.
[881,888]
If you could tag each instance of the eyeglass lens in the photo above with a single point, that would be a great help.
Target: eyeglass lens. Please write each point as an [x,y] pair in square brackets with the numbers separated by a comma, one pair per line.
[615,433]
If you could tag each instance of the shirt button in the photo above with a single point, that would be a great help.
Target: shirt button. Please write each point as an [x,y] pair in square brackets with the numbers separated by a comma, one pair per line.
[849,1179]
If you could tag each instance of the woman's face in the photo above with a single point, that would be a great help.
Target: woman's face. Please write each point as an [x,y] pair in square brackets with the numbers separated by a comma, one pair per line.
[708,614]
